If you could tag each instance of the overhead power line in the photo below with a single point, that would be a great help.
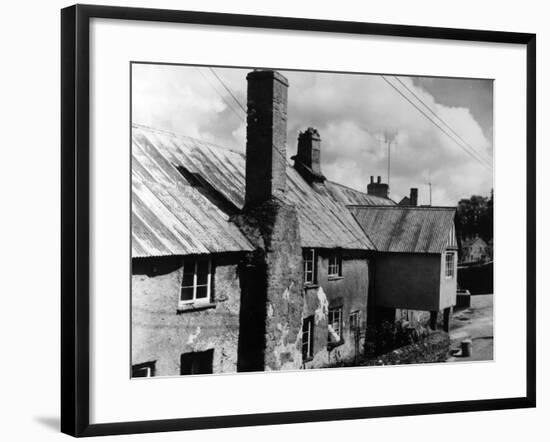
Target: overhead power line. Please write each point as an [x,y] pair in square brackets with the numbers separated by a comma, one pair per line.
[228,90]
[464,148]
[229,105]
[439,118]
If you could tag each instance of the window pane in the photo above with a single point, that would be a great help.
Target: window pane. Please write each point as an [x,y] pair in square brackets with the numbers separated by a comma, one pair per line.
[186,293]
[142,372]
[187,280]
[202,291]
[202,278]
[197,363]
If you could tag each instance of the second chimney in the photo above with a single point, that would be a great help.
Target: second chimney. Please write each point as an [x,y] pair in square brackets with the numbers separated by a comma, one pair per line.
[266,136]
[308,159]
[378,189]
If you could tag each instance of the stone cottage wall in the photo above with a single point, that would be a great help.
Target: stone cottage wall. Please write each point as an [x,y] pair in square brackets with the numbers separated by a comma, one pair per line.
[160,333]
[349,292]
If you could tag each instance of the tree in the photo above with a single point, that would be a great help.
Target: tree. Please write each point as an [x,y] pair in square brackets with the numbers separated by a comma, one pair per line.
[475,217]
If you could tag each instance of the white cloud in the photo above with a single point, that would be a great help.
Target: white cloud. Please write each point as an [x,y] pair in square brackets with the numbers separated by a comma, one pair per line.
[351,113]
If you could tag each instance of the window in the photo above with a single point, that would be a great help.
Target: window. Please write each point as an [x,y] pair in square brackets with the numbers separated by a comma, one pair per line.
[335,265]
[310,266]
[354,323]
[335,325]
[196,282]
[307,338]
[199,362]
[449,264]
[145,370]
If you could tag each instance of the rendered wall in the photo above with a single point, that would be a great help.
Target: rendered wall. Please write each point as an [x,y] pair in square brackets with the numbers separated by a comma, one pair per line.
[349,292]
[161,334]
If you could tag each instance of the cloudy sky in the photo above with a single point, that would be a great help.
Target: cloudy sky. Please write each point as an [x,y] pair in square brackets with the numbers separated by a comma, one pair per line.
[354,114]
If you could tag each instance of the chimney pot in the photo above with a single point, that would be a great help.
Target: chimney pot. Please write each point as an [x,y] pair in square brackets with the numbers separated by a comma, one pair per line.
[265,136]
[378,189]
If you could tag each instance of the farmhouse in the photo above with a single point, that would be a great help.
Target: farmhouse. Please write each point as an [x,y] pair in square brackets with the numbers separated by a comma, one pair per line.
[243,262]
[248,262]
[474,249]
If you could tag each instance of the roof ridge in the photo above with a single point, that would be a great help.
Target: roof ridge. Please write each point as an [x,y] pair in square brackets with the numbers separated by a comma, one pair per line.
[180,135]
[351,188]
[362,193]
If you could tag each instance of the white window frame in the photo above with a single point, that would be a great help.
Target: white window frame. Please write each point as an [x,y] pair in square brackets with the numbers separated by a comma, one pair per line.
[313,272]
[308,343]
[449,265]
[339,311]
[195,300]
[335,265]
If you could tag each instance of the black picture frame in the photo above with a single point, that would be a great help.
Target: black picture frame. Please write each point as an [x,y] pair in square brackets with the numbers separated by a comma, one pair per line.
[75,212]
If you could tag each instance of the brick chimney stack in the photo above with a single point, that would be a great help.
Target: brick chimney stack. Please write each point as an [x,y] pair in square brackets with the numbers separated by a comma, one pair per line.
[378,189]
[272,278]
[266,136]
[308,159]
[414,197]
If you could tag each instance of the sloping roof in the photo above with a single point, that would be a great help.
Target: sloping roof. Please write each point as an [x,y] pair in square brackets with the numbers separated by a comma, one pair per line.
[349,196]
[323,221]
[169,215]
[405,201]
[406,229]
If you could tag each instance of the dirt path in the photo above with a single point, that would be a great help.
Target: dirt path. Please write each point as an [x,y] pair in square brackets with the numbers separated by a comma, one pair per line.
[475,323]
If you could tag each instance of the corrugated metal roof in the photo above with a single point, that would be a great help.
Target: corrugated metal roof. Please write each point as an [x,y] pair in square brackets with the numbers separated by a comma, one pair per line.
[324,221]
[169,215]
[349,196]
[406,229]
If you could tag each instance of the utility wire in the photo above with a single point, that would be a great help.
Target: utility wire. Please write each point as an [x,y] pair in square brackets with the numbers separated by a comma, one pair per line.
[439,118]
[277,150]
[228,90]
[479,160]
[473,154]
[229,105]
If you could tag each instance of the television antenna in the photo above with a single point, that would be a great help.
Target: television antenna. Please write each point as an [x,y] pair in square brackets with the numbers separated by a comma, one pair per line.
[390,137]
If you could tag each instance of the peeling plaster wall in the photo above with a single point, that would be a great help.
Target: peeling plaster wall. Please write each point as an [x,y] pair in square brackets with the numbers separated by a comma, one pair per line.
[161,334]
[283,259]
[349,292]
[278,282]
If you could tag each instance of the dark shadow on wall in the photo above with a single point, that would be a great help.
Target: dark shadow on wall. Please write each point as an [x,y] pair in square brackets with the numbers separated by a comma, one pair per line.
[252,324]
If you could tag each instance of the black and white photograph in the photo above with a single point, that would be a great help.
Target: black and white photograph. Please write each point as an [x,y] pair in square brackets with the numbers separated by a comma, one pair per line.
[287,220]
